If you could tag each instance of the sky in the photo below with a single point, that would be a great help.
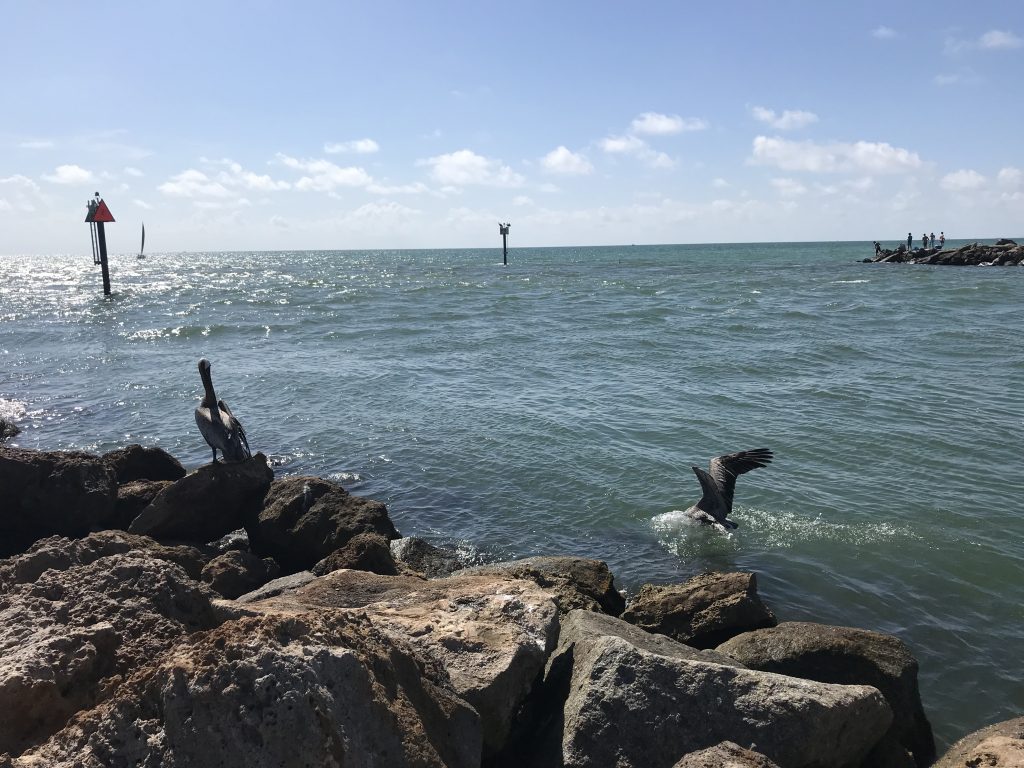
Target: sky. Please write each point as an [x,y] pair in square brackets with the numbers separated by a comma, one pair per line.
[378,125]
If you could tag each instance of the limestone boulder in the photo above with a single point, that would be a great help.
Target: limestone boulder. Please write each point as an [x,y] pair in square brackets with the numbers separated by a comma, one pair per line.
[627,706]
[423,557]
[848,656]
[135,462]
[70,636]
[51,493]
[997,746]
[60,553]
[133,497]
[725,755]
[207,503]
[236,573]
[271,691]
[537,733]
[363,552]
[491,634]
[304,519]
[574,582]
[703,611]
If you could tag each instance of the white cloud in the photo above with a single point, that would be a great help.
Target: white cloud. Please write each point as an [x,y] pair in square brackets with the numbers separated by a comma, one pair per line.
[789,187]
[143,205]
[720,183]
[656,124]
[236,176]
[416,188]
[790,119]
[522,200]
[357,146]
[996,39]
[193,184]
[993,40]
[883,33]
[566,162]
[70,174]
[20,193]
[36,144]
[637,147]
[860,156]
[465,167]
[622,144]
[962,181]
[384,215]
[1010,177]
[325,176]
[129,171]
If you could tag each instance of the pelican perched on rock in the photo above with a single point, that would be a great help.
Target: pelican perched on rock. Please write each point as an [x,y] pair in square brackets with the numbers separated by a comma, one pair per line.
[220,428]
[719,482]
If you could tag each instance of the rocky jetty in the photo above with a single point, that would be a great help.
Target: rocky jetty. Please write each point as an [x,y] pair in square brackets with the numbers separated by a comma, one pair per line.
[146,622]
[1005,253]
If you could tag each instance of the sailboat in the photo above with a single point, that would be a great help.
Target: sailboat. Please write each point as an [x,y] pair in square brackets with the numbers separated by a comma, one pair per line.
[143,246]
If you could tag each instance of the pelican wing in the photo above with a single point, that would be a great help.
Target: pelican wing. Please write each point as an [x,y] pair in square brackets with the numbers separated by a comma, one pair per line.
[236,435]
[726,468]
[711,502]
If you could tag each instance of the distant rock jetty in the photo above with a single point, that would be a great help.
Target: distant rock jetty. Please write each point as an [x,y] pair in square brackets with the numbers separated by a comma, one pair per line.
[1005,253]
[223,617]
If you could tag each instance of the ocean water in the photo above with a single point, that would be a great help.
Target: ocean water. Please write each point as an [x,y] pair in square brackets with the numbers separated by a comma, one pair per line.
[555,406]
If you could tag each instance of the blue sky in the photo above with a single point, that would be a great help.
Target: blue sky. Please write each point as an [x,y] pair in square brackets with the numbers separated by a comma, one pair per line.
[230,126]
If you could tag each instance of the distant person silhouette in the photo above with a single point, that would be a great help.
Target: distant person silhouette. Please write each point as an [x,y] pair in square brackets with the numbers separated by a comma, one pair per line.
[942,239]
[910,241]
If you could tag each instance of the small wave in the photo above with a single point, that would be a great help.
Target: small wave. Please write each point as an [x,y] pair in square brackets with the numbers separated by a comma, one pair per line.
[849,282]
[770,530]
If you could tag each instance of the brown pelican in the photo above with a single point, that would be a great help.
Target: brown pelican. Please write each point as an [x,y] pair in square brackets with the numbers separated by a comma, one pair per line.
[220,428]
[720,481]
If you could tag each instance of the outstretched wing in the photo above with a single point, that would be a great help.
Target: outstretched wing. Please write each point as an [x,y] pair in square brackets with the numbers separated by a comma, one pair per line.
[236,433]
[711,501]
[725,469]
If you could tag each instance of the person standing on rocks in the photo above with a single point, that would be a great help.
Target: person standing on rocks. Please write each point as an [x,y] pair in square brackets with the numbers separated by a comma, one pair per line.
[924,242]
[910,241]
[931,240]
[942,239]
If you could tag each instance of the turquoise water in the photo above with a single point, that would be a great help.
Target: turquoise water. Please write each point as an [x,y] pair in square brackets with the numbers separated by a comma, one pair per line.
[556,405]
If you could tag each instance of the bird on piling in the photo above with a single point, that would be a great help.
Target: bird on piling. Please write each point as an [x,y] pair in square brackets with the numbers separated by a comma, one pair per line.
[719,482]
[221,430]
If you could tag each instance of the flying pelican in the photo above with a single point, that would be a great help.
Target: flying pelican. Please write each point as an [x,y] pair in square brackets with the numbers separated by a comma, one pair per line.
[220,428]
[720,481]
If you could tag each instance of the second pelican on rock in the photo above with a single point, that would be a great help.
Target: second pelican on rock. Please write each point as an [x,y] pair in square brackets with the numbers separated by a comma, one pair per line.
[719,483]
[222,431]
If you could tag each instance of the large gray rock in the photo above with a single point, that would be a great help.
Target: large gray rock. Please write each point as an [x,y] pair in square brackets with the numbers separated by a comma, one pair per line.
[71,636]
[236,573]
[134,462]
[725,755]
[704,611]
[997,746]
[60,553]
[133,497]
[208,503]
[363,552]
[304,519]
[491,634]
[272,691]
[627,706]
[51,493]
[423,557]
[575,582]
[848,656]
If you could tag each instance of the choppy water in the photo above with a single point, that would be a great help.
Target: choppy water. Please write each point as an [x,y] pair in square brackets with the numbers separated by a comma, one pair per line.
[556,405]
